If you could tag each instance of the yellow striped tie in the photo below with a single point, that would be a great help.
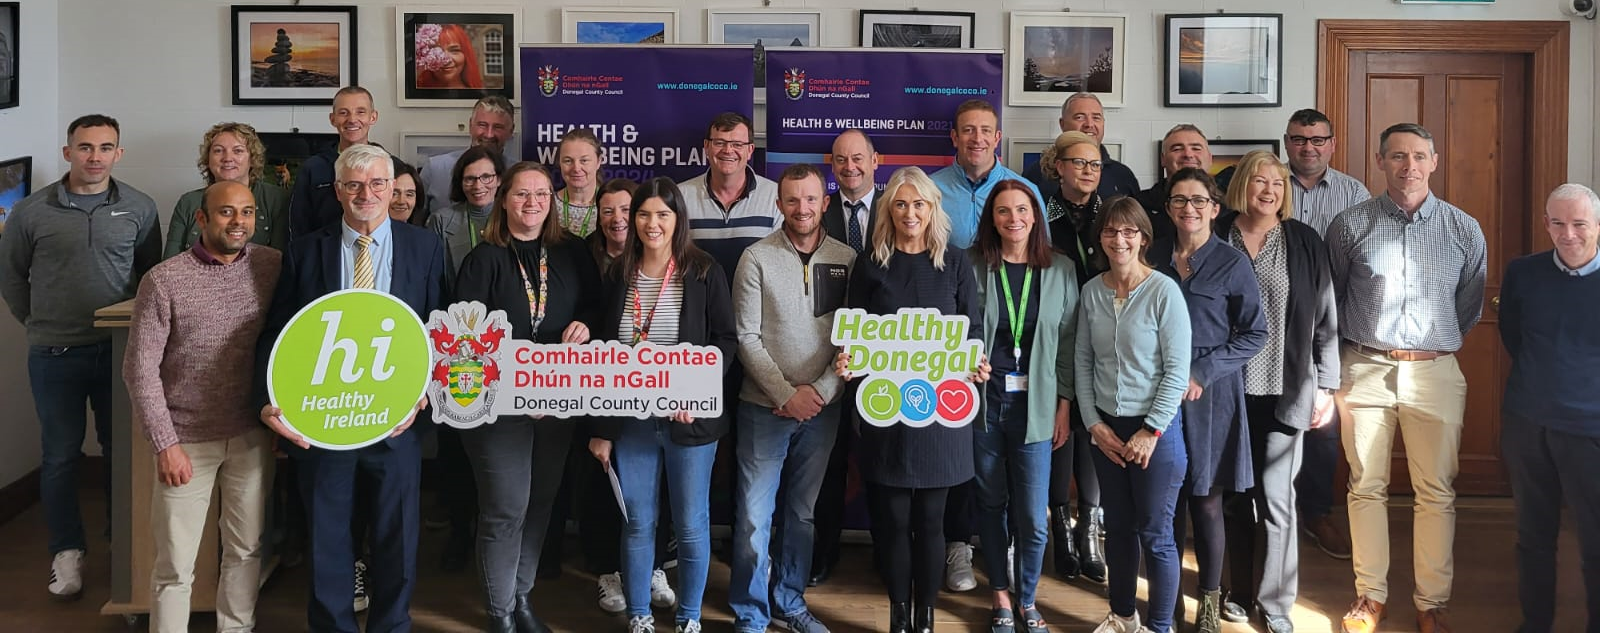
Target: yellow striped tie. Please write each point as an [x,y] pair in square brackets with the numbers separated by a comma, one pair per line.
[365,277]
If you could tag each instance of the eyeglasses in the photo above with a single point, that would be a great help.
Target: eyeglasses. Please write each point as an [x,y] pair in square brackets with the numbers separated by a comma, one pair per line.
[1082,165]
[376,185]
[721,144]
[1198,202]
[486,179]
[1126,233]
[523,195]
[1315,141]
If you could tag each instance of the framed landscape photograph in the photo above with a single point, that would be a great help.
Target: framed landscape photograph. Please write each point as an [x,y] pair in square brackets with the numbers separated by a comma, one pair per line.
[286,151]
[1224,60]
[417,147]
[16,182]
[1225,153]
[451,56]
[619,26]
[764,30]
[1022,153]
[292,55]
[1055,54]
[916,29]
[10,60]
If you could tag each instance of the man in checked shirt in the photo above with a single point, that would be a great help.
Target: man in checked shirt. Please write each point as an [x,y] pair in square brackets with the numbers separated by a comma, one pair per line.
[1408,275]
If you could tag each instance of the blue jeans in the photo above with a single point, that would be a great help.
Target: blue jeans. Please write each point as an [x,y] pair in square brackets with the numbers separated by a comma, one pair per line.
[61,379]
[639,453]
[1011,476]
[1139,505]
[773,450]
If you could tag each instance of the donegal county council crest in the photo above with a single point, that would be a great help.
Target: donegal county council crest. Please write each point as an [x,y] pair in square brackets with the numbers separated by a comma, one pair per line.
[466,351]
[794,83]
[549,80]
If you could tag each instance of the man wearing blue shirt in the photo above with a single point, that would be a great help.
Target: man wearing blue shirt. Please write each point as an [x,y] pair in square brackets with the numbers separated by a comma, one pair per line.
[965,184]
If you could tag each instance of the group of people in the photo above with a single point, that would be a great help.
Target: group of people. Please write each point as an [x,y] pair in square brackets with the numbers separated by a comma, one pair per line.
[1198,349]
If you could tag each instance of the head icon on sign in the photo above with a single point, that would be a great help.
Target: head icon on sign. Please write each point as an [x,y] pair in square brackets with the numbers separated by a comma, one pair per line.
[916,401]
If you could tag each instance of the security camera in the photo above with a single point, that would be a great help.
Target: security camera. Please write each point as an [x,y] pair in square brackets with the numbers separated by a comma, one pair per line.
[1584,8]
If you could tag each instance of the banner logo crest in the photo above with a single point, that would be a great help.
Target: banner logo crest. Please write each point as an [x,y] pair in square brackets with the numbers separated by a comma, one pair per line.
[467,345]
[794,83]
[549,80]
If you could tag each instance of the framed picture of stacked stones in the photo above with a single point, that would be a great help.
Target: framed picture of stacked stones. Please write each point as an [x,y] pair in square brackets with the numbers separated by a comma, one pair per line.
[452,56]
[292,55]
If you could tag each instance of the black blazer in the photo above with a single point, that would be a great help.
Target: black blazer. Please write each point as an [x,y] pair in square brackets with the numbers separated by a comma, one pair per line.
[311,269]
[834,223]
[1311,321]
[705,319]
[489,274]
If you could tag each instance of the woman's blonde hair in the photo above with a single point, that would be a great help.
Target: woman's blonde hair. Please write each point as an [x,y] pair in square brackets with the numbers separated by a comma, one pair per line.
[1238,197]
[252,144]
[938,232]
[1064,142]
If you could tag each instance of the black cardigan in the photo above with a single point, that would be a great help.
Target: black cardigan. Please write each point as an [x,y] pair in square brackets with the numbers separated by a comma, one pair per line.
[489,274]
[1311,326]
[705,319]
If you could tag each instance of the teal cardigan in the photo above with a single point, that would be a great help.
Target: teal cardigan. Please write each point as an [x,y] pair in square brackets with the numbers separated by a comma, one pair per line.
[1051,356]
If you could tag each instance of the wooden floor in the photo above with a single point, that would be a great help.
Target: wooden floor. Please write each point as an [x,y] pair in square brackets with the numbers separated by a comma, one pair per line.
[1484,600]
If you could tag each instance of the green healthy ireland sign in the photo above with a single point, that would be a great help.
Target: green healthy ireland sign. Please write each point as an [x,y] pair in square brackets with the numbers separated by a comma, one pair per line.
[349,368]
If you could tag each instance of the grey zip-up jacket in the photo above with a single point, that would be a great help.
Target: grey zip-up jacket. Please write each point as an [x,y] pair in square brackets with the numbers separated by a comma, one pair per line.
[60,263]
[460,226]
[782,343]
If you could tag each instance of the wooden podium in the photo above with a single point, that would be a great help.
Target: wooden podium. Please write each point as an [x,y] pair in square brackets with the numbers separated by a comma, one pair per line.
[132,464]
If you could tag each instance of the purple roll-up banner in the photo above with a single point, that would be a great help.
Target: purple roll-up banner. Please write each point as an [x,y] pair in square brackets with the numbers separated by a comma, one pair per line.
[648,105]
[905,100]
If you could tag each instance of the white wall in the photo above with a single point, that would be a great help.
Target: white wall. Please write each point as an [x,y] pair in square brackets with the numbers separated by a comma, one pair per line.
[30,129]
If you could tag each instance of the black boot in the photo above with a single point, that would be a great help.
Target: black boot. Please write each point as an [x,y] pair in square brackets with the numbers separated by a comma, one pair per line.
[526,622]
[502,624]
[1066,552]
[923,616]
[900,617]
[1091,551]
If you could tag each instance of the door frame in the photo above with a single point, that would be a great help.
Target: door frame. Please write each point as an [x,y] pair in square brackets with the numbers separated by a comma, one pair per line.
[1546,42]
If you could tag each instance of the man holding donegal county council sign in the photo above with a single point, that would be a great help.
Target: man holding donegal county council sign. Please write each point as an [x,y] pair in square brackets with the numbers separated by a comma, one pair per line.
[375,341]
[914,312]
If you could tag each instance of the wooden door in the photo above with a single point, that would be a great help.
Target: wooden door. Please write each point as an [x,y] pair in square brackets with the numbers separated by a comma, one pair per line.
[1482,113]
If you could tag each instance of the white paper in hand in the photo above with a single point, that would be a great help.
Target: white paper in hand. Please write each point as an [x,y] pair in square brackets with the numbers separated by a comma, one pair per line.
[616,491]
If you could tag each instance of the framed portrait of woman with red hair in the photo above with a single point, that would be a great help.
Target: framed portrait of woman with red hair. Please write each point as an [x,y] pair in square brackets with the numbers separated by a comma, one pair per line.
[454,56]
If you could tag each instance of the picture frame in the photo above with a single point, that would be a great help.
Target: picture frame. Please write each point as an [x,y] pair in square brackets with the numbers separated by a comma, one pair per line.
[16,183]
[292,55]
[1113,150]
[10,54]
[1055,54]
[916,29]
[452,56]
[1226,153]
[612,25]
[1022,153]
[761,28]
[286,151]
[1223,60]
[417,147]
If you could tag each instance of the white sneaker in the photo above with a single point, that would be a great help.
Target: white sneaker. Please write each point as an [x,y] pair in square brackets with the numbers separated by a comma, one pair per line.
[691,626]
[361,587]
[661,594]
[642,624]
[1118,624]
[612,599]
[958,567]
[66,575]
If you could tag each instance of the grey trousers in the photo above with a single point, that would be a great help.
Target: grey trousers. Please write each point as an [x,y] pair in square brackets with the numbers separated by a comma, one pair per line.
[1263,547]
[518,463]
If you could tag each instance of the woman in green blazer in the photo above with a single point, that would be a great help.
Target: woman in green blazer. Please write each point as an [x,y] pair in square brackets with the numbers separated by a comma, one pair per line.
[1029,295]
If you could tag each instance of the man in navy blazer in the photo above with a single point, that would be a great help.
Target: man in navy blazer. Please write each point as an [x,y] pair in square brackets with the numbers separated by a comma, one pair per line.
[408,263]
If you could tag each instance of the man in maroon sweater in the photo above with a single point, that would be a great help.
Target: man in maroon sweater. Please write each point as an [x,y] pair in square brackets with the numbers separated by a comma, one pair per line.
[189,369]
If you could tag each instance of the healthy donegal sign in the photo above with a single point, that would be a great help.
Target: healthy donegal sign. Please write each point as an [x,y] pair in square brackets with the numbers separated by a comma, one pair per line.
[915,362]
[349,368]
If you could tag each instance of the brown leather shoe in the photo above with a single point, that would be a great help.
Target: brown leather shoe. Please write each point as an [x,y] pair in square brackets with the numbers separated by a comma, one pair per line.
[1433,621]
[1363,616]
[1328,537]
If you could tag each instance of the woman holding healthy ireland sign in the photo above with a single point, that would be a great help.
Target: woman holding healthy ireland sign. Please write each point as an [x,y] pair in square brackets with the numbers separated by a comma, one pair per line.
[911,465]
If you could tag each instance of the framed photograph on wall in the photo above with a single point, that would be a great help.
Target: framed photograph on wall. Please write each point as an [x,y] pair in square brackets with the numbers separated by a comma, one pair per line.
[916,29]
[286,151]
[10,54]
[1114,150]
[608,25]
[16,182]
[292,55]
[1227,60]
[417,147]
[1226,153]
[451,56]
[1055,54]
[764,30]
[1022,153]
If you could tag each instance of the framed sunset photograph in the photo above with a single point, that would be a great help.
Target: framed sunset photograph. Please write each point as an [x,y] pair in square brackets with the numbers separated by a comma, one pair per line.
[292,55]
[1233,59]
[452,56]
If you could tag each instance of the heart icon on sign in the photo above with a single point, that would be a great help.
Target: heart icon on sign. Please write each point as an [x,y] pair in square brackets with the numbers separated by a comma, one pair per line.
[955,400]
